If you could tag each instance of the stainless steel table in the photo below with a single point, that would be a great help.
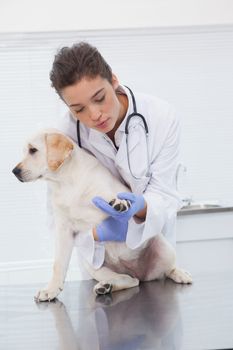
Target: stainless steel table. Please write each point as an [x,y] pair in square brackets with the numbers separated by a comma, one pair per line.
[155,315]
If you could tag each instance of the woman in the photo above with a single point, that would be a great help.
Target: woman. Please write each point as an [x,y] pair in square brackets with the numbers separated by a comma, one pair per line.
[147,165]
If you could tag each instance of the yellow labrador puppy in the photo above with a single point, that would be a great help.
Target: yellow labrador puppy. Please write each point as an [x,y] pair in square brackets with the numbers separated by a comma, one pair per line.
[76,177]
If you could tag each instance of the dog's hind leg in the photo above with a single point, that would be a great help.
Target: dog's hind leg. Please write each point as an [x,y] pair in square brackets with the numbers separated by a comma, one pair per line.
[180,276]
[110,281]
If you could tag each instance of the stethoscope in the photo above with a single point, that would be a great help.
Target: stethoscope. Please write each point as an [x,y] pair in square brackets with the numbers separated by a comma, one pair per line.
[127,126]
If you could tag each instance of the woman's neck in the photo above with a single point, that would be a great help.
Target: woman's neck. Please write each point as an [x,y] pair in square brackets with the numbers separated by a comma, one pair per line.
[123,100]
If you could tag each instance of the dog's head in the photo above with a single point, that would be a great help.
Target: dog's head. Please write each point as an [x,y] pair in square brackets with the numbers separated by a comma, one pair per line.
[44,154]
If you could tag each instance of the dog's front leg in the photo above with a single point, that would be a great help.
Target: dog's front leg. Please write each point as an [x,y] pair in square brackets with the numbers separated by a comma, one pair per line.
[64,242]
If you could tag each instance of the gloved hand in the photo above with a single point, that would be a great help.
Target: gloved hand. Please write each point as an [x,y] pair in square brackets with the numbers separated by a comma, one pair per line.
[137,204]
[112,230]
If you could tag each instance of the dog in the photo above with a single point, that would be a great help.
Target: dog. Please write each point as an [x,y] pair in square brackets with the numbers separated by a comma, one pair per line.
[76,177]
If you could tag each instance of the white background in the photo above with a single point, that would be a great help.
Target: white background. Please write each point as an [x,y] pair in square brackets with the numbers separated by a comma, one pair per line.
[50,15]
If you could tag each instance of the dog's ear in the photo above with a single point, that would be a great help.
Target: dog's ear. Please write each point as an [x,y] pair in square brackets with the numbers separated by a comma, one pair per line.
[59,148]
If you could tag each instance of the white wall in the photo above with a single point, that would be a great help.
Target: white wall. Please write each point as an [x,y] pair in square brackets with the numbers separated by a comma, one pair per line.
[57,15]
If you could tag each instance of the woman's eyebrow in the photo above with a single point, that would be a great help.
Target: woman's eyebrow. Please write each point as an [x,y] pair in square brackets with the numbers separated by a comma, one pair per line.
[79,104]
[97,92]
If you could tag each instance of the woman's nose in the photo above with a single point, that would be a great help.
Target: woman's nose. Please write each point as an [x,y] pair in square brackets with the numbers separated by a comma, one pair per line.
[95,113]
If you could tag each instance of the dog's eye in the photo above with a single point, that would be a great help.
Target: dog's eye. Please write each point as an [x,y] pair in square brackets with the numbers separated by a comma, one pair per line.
[32,150]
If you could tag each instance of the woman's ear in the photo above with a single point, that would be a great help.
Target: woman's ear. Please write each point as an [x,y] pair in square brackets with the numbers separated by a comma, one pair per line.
[59,148]
[115,81]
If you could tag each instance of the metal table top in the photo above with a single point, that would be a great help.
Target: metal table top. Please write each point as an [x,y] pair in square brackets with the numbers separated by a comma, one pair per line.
[155,315]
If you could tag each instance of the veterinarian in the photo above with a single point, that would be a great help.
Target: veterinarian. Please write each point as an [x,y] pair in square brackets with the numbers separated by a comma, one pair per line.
[143,152]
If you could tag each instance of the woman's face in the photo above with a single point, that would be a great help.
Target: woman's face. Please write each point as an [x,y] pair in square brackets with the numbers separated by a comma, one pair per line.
[95,103]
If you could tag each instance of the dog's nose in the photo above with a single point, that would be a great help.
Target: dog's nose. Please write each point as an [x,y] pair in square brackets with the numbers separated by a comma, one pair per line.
[16,171]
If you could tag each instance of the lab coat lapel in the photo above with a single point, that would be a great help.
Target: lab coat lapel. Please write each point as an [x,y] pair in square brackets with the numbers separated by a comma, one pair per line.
[136,147]
[121,157]
[98,140]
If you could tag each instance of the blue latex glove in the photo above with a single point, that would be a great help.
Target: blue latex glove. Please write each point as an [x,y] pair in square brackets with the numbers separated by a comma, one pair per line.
[112,230]
[137,204]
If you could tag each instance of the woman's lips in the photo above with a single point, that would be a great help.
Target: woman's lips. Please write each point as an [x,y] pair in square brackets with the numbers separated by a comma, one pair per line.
[103,124]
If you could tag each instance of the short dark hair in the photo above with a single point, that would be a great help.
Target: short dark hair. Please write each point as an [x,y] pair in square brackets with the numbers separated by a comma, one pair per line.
[71,64]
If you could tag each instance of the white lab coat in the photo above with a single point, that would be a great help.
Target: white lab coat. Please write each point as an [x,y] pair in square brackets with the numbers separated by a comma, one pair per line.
[158,189]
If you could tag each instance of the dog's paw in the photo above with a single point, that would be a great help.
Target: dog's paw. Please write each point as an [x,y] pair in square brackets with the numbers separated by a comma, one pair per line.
[102,288]
[120,205]
[51,305]
[180,276]
[48,294]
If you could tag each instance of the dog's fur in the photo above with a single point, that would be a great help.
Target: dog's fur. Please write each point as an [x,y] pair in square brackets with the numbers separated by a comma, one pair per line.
[75,178]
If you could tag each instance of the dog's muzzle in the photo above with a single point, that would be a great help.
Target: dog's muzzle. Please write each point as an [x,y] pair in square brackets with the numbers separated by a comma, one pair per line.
[18,172]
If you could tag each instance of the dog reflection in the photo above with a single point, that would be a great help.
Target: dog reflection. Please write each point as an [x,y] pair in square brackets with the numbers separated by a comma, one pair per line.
[145,317]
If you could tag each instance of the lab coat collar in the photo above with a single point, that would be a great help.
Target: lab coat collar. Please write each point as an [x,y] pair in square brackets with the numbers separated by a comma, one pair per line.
[120,138]
[124,90]
[120,133]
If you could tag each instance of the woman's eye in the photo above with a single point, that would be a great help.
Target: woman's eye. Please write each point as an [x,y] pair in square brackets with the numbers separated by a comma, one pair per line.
[101,99]
[80,110]
[32,150]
